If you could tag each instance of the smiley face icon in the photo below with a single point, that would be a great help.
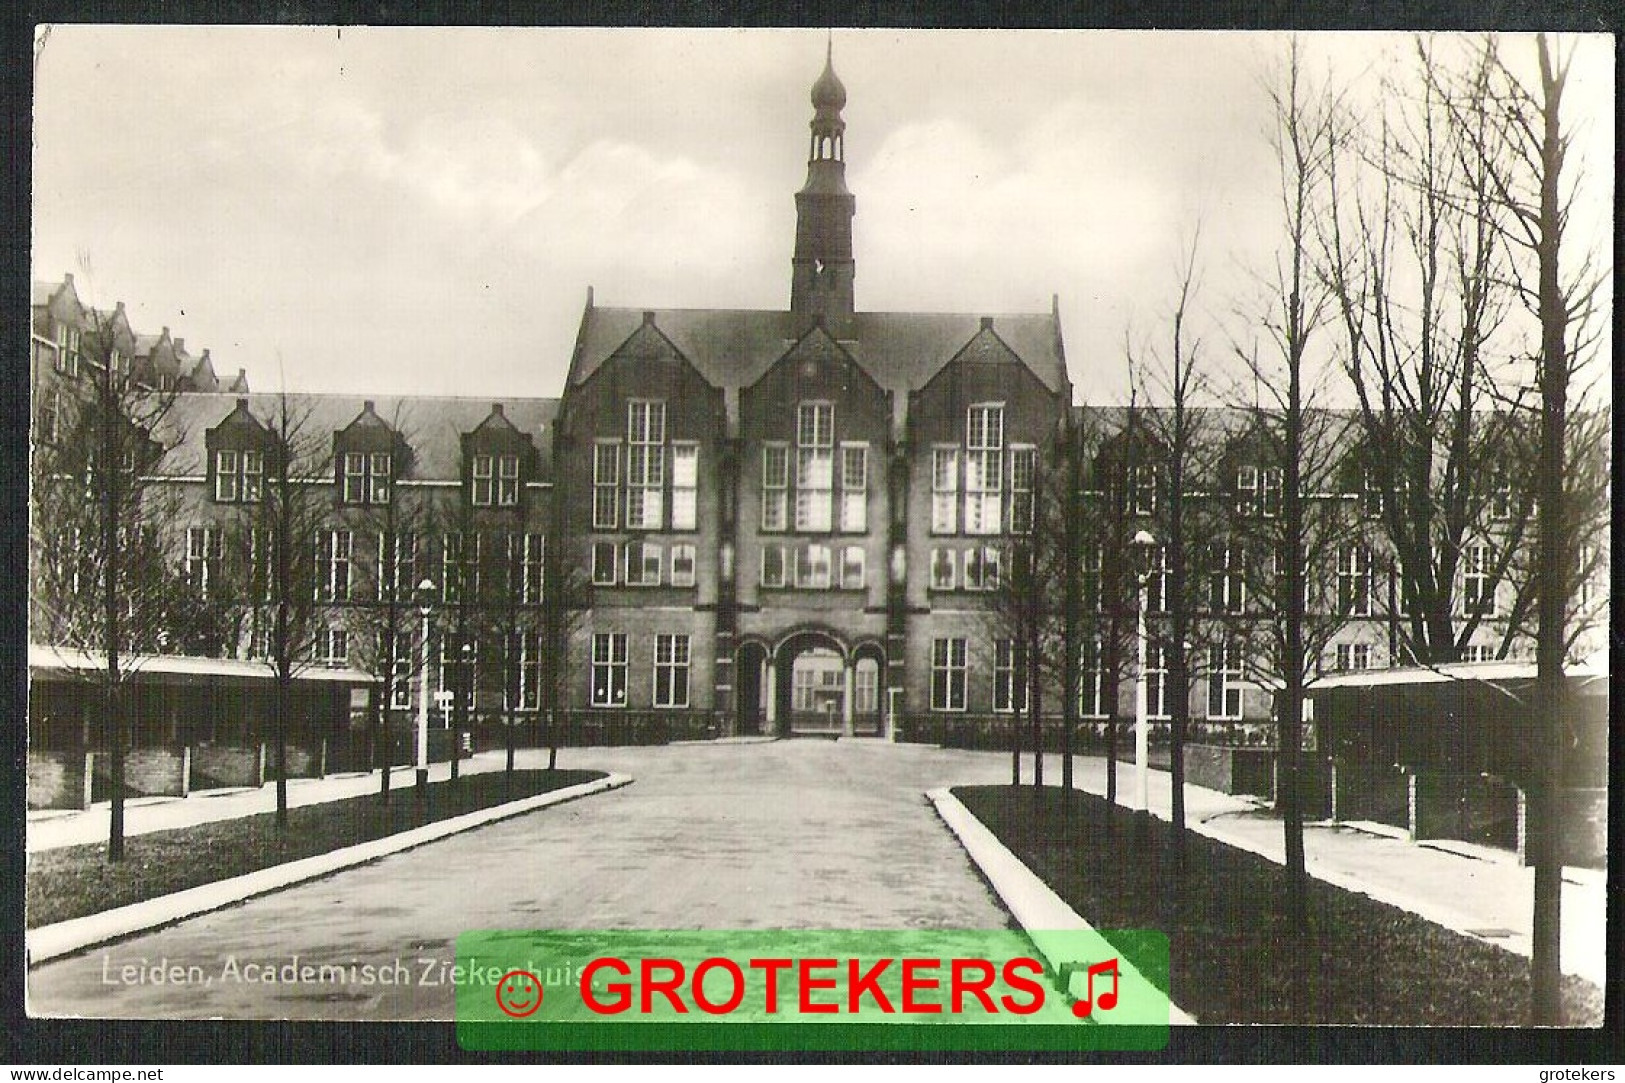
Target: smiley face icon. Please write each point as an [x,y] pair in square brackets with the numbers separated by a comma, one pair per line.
[519,993]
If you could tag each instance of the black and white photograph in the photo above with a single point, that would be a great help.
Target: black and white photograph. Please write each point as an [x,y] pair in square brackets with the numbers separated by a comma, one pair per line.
[797,482]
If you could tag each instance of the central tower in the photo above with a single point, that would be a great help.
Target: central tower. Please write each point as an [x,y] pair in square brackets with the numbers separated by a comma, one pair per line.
[821,270]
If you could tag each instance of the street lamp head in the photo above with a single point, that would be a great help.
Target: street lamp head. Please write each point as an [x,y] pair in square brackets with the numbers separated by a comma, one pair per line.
[1144,540]
[425,595]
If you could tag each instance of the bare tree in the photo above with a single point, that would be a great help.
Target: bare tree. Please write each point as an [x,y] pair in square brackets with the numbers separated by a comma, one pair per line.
[105,582]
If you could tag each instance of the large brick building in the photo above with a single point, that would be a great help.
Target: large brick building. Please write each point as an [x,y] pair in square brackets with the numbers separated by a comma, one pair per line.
[751,521]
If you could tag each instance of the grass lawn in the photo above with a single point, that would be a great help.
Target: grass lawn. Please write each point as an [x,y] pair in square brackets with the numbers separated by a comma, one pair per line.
[73,881]
[1231,960]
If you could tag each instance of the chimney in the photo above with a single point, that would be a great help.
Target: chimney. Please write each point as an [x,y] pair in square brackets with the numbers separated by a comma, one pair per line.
[366,407]
[242,374]
[118,306]
[987,323]
[205,356]
[496,408]
[242,404]
[67,279]
[648,315]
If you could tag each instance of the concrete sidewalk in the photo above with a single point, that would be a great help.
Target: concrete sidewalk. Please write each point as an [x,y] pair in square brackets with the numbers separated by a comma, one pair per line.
[1473,890]
[51,828]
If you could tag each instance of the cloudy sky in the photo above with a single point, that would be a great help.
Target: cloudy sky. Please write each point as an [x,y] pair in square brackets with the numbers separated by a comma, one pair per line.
[408,210]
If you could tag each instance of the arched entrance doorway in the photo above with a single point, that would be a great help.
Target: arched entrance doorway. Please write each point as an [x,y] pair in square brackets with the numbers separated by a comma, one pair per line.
[812,685]
[868,679]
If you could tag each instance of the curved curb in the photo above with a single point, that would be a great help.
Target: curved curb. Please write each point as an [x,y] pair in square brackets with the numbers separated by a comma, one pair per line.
[1029,900]
[66,937]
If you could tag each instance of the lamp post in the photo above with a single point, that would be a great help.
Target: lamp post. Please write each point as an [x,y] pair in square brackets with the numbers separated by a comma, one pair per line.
[425,600]
[1144,543]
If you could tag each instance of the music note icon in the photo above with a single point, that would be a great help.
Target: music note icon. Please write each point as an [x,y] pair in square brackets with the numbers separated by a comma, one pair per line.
[1107,1000]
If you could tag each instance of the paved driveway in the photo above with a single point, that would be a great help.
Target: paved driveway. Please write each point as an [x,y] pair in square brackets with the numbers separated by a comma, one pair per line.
[793,834]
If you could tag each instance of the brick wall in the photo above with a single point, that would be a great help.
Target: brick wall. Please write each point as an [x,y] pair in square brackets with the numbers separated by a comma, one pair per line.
[215,766]
[148,772]
[59,780]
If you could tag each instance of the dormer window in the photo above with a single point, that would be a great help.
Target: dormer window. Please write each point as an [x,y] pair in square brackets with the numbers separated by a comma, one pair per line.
[239,476]
[496,481]
[121,365]
[367,477]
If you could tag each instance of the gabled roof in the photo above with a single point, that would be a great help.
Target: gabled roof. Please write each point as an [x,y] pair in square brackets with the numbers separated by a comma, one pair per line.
[901,351]
[432,427]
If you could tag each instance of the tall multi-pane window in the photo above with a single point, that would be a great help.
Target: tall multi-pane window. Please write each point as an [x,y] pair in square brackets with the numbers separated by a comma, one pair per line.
[645,464]
[397,566]
[605,559]
[460,567]
[525,656]
[984,469]
[982,568]
[1224,681]
[239,476]
[1371,494]
[333,555]
[671,671]
[1156,580]
[774,564]
[496,481]
[813,567]
[643,563]
[1258,491]
[1092,679]
[1585,588]
[261,577]
[1354,580]
[367,476]
[682,565]
[458,665]
[775,487]
[944,569]
[852,567]
[1501,496]
[1089,570]
[1143,489]
[1353,656]
[1009,676]
[1156,681]
[948,674]
[685,481]
[854,488]
[815,466]
[865,687]
[606,485]
[944,490]
[1228,582]
[1477,587]
[527,556]
[609,669]
[67,349]
[334,647]
[1023,476]
[401,665]
[203,554]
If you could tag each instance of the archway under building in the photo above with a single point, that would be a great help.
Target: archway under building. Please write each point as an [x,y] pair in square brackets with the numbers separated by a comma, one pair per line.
[751,687]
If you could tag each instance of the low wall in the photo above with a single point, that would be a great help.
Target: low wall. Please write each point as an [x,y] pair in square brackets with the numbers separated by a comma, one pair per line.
[624,728]
[59,779]
[1583,813]
[221,766]
[148,772]
[1368,792]
[1468,807]
[1230,770]
[302,762]
[1314,785]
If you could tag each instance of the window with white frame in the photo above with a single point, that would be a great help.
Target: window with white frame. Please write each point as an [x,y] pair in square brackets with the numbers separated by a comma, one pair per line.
[1585,590]
[50,417]
[1258,491]
[852,567]
[397,566]
[944,490]
[685,482]
[1501,496]
[401,666]
[1224,681]
[335,647]
[1371,494]
[1143,487]
[609,669]
[458,666]
[775,487]
[527,557]
[1009,676]
[1089,584]
[460,567]
[67,349]
[645,464]
[1023,477]
[204,547]
[261,564]
[367,477]
[1156,580]
[239,476]
[982,568]
[1092,679]
[1156,681]
[1478,652]
[944,569]
[525,655]
[1353,656]
[605,557]
[854,488]
[813,567]
[671,671]
[643,560]
[1228,582]
[682,565]
[815,466]
[1477,584]
[948,674]
[773,566]
[1354,580]
[495,481]
[333,556]
[984,469]
[865,687]
[606,484]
